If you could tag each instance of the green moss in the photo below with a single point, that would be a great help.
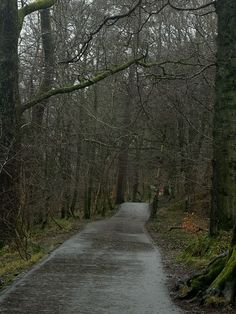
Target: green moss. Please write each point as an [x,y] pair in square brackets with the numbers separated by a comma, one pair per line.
[214,300]
[177,206]
[228,274]
[11,265]
[203,249]
[201,282]
[32,7]
[40,242]
[76,87]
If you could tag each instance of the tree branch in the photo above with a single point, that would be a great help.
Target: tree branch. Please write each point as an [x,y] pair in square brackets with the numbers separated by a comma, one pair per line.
[108,21]
[191,9]
[32,7]
[73,88]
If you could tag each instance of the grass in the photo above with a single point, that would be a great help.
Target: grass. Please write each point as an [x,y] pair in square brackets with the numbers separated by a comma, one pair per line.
[11,264]
[39,243]
[203,248]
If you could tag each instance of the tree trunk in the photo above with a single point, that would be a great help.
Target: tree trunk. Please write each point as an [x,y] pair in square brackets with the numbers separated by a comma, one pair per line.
[135,193]
[9,100]
[92,160]
[122,173]
[38,199]
[36,157]
[224,133]
[77,176]
[217,284]
[65,163]
[124,154]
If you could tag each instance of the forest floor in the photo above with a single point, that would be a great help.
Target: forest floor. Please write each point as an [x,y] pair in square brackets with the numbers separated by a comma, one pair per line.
[185,251]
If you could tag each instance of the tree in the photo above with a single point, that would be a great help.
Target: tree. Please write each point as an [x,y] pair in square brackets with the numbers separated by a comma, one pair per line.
[224,133]
[9,102]
[218,283]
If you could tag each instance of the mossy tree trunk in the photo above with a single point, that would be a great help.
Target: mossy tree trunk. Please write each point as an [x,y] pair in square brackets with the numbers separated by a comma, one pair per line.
[217,284]
[11,21]
[223,288]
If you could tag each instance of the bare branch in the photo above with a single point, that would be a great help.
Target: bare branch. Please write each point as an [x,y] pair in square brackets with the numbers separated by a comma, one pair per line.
[191,9]
[113,19]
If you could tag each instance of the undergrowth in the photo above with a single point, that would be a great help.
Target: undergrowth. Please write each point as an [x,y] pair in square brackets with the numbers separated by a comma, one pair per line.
[185,234]
[202,249]
[40,241]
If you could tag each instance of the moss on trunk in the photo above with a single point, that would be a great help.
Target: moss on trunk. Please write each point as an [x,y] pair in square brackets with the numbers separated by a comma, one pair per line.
[216,285]
[222,289]
[32,7]
[198,284]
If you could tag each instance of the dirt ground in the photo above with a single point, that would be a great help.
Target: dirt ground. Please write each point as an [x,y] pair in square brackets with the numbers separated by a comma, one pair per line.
[172,243]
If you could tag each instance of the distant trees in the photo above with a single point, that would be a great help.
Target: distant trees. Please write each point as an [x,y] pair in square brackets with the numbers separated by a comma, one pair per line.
[18,168]
[63,154]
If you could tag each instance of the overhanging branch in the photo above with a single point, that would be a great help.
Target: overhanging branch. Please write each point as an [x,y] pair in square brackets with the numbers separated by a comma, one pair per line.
[76,87]
[32,7]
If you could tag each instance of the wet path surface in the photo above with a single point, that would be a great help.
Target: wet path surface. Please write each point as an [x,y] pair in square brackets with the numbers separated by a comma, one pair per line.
[109,267]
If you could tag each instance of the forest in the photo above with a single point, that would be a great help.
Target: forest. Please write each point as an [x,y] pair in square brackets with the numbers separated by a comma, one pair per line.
[104,102]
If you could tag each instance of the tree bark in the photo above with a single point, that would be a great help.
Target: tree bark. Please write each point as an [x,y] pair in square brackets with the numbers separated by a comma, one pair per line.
[92,161]
[122,174]
[217,284]
[77,176]
[34,170]
[9,100]
[223,210]
[124,154]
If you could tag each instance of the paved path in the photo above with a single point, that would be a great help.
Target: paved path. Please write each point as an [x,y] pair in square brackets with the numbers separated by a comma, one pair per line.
[109,267]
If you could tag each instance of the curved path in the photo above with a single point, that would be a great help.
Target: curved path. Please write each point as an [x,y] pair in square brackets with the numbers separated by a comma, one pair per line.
[109,267]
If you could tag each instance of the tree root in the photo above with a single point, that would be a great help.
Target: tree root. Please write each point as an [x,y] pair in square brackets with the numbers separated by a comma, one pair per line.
[216,285]
[197,285]
[222,289]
